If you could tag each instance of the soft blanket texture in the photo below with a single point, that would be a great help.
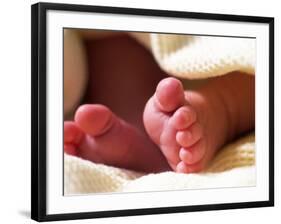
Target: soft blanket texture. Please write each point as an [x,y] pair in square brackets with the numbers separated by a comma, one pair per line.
[195,57]
[233,166]
[189,57]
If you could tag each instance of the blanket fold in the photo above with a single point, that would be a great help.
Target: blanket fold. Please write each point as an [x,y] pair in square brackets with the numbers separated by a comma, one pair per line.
[197,57]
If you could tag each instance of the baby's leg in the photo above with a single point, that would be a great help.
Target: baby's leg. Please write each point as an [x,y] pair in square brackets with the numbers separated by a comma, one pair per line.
[190,126]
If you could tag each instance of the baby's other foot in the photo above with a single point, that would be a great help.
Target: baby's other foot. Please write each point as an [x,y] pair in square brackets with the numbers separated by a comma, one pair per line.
[175,121]
[98,135]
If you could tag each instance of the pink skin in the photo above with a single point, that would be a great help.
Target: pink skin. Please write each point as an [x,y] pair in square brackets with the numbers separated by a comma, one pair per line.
[182,129]
[172,124]
[180,123]
[190,126]
[100,136]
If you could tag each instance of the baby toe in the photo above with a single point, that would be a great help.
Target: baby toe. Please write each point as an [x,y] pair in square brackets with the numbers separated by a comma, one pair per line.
[182,168]
[189,136]
[192,154]
[70,149]
[183,117]
[72,133]
[72,137]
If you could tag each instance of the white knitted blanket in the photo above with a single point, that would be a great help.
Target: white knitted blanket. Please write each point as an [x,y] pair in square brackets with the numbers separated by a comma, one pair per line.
[233,166]
[189,57]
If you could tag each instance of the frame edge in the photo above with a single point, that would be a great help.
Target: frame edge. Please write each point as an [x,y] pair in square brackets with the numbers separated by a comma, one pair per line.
[154,12]
[34,113]
[38,112]
[271,111]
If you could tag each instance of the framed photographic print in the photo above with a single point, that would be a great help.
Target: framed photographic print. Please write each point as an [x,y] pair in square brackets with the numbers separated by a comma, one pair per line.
[140,111]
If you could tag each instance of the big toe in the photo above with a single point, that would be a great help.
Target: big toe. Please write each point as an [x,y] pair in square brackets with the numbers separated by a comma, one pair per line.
[169,94]
[94,119]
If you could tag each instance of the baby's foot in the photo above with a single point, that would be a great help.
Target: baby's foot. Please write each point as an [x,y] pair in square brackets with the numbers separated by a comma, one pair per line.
[185,128]
[98,135]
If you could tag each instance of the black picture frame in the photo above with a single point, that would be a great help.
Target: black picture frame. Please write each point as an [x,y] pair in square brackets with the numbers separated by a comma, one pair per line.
[39,116]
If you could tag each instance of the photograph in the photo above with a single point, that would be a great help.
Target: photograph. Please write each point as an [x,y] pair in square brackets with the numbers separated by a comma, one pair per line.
[142,111]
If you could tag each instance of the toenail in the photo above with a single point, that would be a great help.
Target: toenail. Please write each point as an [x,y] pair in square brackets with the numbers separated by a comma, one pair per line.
[184,135]
[185,155]
[184,117]
[182,168]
